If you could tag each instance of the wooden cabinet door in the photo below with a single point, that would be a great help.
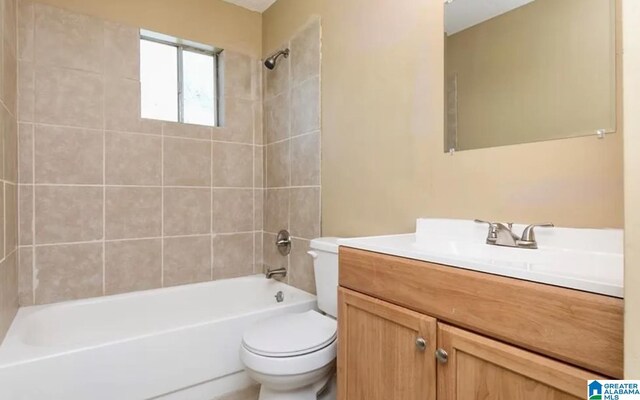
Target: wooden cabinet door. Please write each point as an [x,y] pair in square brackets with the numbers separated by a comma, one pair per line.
[478,368]
[380,352]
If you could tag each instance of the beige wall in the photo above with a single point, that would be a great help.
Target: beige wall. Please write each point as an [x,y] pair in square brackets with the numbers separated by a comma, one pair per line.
[521,76]
[8,167]
[632,188]
[110,202]
[212,22]
[382,108]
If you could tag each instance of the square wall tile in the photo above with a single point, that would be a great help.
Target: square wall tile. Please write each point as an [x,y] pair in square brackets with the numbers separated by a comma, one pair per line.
[179,129]
[10,139]
[305,53]
[25,276]
[133,212]
[25,153]
[121,50]
[67,39]
[10,218]
[25,29]
[232,210]
[122,107]
[68,155]
[232,255]
[8,291]
[305,107]
[10,76]
[187,211]
[132,265]
[10,22]
[276,118]
[26,94]
[277,80]
[258,208]
[272,258]
[68,214]
[232,165]
[132,159]
[258,258]
[276,210]
[278,164]
[304,213]
[238,119]
[2,185]
[305,160]
[3,115]
[237,73]
[68,97]
[25,215]
[258,167]
[187,162]
[301,270]
[187,260]
[68,272]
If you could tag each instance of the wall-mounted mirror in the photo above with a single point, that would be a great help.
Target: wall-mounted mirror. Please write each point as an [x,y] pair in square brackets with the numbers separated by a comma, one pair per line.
[520,71]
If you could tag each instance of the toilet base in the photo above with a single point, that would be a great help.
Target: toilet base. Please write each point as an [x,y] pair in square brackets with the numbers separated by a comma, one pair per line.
[325,390]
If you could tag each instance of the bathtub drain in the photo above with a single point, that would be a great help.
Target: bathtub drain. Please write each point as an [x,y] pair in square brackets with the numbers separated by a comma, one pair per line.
[279,296]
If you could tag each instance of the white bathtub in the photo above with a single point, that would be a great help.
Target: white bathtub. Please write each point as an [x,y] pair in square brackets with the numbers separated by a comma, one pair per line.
[174,343]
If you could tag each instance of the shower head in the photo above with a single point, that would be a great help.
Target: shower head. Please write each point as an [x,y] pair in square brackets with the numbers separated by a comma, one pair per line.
[271,61]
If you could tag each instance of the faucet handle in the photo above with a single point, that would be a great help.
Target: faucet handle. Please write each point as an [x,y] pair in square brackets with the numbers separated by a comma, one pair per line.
[529,236]
[492,235]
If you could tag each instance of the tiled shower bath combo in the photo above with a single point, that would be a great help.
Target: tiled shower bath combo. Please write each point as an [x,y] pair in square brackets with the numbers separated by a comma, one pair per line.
[111,203]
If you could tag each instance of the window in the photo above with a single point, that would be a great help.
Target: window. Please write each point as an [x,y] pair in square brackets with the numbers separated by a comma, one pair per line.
[179,80]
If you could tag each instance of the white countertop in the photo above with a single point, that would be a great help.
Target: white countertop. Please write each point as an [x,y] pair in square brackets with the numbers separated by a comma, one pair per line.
[583,265]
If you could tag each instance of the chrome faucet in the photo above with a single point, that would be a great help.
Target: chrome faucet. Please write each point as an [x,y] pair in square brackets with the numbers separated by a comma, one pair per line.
[501,234]
[273,272]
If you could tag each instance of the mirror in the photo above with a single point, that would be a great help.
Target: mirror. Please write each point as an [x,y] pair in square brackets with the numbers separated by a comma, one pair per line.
[520,71]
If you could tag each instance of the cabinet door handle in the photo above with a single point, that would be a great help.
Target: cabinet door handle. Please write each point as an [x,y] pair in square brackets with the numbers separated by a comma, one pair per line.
[442,356]
[421,344]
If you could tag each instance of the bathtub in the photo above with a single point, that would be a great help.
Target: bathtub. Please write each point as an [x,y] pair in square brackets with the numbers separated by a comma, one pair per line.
[170,344]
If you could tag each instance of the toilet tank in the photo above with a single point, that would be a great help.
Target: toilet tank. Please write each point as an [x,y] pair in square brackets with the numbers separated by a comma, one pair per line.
[324,252]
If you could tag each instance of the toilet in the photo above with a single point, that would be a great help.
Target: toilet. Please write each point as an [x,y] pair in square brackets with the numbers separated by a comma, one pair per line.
[293,356]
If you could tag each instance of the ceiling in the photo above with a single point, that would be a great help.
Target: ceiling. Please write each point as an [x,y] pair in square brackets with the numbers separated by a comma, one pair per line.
[463,14]
[253,5]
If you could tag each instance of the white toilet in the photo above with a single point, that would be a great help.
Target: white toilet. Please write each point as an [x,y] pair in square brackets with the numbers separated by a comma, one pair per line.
[293,355]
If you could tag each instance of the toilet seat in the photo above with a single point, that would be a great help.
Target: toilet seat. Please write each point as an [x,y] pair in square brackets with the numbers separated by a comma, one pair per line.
[290,335]
[290,344]
[296,365]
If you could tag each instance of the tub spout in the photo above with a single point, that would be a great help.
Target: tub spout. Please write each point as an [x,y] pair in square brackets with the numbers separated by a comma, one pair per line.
[273,272]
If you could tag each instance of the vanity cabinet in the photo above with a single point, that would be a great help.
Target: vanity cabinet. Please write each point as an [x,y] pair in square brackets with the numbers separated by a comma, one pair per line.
[411,329]
[384,350]
[481,368]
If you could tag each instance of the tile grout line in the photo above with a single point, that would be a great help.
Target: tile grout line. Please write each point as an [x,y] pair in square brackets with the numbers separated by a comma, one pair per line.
[290,141]
[254,83]
[157,135]
[320,126]
[162,206]
[291,137]
[104,172]
[211,203]
[34,264]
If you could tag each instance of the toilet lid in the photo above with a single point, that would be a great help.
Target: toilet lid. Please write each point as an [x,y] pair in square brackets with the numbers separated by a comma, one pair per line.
[290,335]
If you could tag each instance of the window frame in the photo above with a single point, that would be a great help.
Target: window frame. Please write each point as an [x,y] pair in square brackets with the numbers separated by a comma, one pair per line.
[182,46]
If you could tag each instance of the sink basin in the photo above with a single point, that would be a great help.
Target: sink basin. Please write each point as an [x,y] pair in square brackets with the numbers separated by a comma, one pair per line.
[584,259]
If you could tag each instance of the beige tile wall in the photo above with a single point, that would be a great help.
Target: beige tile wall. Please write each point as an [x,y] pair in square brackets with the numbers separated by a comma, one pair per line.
[8,167]
[292,154]
[110,202]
